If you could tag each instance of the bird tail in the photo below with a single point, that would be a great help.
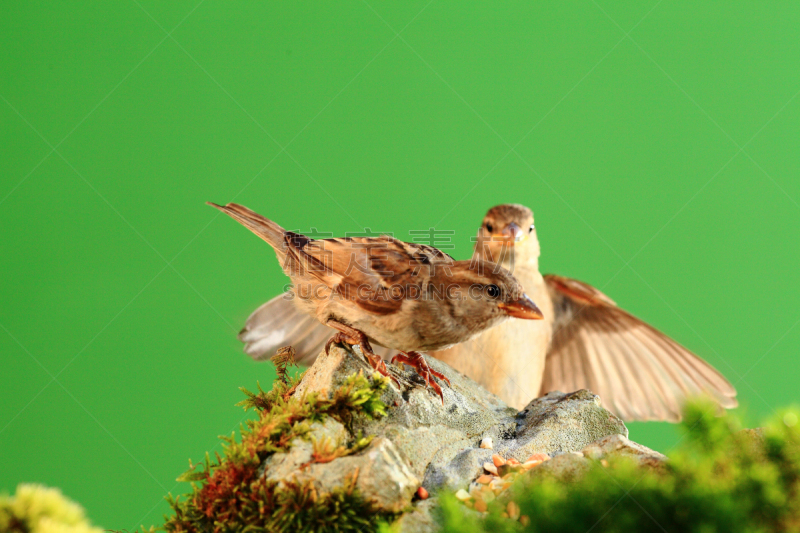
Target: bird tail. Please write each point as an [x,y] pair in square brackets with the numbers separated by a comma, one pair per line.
[268,230]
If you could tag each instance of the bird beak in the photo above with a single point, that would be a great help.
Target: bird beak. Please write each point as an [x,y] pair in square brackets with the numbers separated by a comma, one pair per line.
[513,234]
[522,308]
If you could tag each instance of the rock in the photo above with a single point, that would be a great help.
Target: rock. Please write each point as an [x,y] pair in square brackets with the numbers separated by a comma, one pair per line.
[565,467]
[438,445]
[459,471]
[421,519]
[281,466]
[383,476]
[558,422]
[569,467]
[620,446]
[426,432]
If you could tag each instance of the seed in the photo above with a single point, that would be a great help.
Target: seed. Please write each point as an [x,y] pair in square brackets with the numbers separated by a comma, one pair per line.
[524,520]
[483,479]
[489,467]
[513,510]
[512,461]
[497,460]
[604,463]
[538,457]
[462,495]
[481,506]
[486,443]
[422,493]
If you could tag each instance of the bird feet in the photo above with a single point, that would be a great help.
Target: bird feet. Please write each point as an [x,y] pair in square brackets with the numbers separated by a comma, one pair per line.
[353,336]
[418,363]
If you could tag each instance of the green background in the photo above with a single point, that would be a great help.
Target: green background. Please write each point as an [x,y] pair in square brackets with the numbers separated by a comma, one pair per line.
[657,143]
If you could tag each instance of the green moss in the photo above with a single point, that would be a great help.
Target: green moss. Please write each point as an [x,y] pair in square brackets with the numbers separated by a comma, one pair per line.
[719,479]
[228,494]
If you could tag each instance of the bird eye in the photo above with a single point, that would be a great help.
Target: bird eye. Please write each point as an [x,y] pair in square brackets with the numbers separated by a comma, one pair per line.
[531,228]
[488,227]
[493,291]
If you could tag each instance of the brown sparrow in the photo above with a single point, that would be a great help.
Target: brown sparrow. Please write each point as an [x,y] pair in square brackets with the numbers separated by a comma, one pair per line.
[584,341]
[405,297]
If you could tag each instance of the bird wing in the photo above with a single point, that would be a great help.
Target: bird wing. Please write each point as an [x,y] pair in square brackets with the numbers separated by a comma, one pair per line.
[279,322]
[364,270]
[638,372]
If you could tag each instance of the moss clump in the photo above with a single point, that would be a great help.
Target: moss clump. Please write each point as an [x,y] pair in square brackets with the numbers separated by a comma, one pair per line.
[39,509]
[719,479]
[229,494]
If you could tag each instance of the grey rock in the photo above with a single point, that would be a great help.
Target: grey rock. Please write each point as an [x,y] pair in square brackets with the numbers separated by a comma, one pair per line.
[421,519]
[569,467]
[458,472]
[281,466]
[620,446]
[383,475]
[424,441]
[566,467]
[558,422]
[425,430]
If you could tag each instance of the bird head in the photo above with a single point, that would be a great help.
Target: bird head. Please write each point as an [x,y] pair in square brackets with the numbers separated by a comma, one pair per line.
[507,236]
[488,294]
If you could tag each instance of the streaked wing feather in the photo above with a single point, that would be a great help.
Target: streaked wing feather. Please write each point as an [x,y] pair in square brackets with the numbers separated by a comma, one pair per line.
[638,372]
[369,265]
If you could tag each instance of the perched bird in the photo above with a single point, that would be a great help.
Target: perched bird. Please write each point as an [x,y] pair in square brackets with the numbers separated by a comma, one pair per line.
[405,297]
[584,341]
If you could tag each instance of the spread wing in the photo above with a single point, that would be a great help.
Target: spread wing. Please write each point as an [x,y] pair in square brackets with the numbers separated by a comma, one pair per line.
[638,372]
[364,270]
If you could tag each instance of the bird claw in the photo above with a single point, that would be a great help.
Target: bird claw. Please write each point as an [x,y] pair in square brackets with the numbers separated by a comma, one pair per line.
[337,338]
[380,367]
[372,358]
[418,363]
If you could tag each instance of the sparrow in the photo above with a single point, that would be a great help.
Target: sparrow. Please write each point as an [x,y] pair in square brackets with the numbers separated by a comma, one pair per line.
[405,297]
[584,341]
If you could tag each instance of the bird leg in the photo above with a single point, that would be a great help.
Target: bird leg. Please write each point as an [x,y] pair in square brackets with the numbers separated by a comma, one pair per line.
[416,361]
[351,336]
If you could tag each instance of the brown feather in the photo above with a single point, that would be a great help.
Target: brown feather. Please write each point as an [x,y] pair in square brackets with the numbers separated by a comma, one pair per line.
[640,373]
